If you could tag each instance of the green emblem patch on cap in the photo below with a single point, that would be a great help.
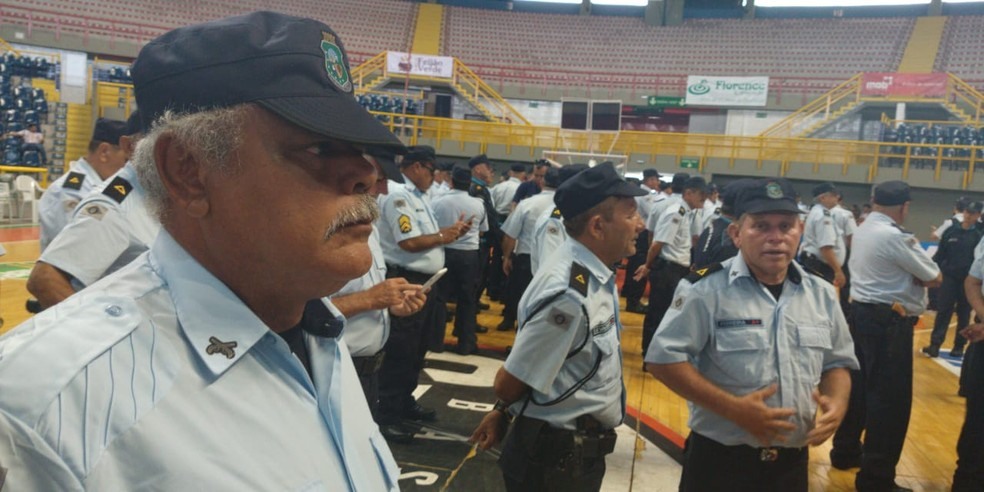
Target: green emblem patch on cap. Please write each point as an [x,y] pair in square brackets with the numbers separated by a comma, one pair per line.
[773,190]
[335,62]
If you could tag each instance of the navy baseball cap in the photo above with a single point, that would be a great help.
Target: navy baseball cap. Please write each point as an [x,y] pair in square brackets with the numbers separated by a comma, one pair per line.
[109,131]
[766,196]
[730,192]
[590,187]
[294,67]
[419,153]
[975,207]
[891,193]
[460,175]
[824,188]
[650,173]
[477,160]
[387,160]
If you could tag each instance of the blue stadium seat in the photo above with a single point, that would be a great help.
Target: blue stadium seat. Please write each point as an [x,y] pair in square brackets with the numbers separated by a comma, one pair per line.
[11,115]
[31,118]
[12,156]
[41,106]
[31,158]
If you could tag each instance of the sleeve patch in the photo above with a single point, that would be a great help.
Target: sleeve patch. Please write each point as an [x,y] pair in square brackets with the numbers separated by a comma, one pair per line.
[70,205]
[696,275]
[559,318]
[406,225]
[682,211]
[555,213]
[579,278]
[399,203]
[94,210]
[118,189]
[74,181]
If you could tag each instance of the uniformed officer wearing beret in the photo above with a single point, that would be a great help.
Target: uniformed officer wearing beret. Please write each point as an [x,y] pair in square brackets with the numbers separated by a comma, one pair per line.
[757,346]
[104,158]
[549,232]
[110,227]
[413,245]
[633,289]
[819,252]
[198,366]
[562,381]
[969,474]
[490,250]
[889,275]
[715,244]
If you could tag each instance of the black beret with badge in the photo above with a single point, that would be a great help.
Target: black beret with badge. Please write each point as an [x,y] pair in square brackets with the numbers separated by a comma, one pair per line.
[891,193]
[295,67]
[590,187]
[765,196]
[109,131]
[477,160]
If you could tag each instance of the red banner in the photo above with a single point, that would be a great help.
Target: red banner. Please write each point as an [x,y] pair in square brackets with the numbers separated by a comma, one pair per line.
[888,84]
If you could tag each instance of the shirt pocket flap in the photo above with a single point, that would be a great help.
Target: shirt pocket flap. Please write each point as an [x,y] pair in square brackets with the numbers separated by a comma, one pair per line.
[814,336]
[606,344]
[387,463]
[740,339]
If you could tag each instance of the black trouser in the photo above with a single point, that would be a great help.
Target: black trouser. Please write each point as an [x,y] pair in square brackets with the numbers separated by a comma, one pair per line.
[815,265]
[462,280]
[497,280]
[368,370]
[663,280]
[519,279]
[536,457]
[633,289]
[710,466]
[950,298]
[969,475]
[405,351]
[844,293]
[883,344]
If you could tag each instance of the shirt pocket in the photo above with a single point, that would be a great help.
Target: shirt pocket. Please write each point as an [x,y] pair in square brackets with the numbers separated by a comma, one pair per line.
[741,354]
[606,347]
[384,457]
[814,342]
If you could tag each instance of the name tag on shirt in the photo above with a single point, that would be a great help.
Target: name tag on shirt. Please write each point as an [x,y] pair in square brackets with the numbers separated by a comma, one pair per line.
[603,327]
[738,323]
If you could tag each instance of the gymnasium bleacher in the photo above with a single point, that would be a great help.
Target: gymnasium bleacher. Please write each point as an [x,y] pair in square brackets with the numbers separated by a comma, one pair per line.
[961,47]
[21,105]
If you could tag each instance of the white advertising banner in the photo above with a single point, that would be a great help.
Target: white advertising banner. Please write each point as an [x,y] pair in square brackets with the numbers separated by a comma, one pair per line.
[423,65]
[727,91]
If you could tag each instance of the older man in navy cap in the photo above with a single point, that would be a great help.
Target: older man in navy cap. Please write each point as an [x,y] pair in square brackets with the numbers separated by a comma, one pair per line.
[757,346]
[202,364]
[562,381]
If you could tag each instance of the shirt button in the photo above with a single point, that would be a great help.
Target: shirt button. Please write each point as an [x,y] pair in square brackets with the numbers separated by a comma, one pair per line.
[114,311]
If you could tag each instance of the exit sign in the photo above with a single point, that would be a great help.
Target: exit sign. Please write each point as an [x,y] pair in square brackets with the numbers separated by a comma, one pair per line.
[689,163]
[666,101]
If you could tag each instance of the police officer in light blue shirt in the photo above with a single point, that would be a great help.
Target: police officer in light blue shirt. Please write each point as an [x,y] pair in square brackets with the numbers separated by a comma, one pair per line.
[756,345]
[969,474]
[822,251]
[177,372]
[106,156]
[109,229]
[563,379]
[548,231]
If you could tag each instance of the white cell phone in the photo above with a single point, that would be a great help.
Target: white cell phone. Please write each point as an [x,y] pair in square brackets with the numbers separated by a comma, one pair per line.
[434,278]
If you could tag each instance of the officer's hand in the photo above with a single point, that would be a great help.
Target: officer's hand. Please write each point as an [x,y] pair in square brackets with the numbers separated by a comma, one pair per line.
[391,292]
[767,424]
[829,417]
[506,265]
[641,273]
[490,431]
[839,279]
[974,332]
[413,301]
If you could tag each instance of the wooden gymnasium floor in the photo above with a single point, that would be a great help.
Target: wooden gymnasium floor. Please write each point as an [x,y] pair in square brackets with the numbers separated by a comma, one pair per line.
[928,458]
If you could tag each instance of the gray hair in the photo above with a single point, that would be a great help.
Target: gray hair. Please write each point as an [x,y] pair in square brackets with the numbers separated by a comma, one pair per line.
[212,136]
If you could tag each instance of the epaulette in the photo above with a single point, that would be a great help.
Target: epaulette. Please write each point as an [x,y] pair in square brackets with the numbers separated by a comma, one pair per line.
[556,213]
[118,189]
[682,211]
[579,278]
[74,181]
[703,272]
[903,229]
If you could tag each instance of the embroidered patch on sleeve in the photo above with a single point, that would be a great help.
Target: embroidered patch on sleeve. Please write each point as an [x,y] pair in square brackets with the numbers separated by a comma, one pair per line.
[94,210]
[406,225]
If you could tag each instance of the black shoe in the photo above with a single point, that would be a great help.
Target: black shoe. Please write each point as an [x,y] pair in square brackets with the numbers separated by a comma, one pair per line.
[898,488]
[931,351]
[466,350]
[635,307]
[482,306]
[481,329]
[506,325]
[420,413]
[957,352]
[396,433]
[842,463]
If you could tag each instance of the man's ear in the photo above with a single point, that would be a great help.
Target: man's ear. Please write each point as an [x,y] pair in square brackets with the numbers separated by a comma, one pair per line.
[733,232]
[182,174]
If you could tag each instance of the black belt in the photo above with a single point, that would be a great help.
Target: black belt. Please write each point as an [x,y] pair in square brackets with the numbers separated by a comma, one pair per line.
[769,454]
[410,275]
[885,308]
[369,364]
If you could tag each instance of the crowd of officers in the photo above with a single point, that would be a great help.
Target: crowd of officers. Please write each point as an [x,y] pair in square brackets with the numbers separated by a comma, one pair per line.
[744,318]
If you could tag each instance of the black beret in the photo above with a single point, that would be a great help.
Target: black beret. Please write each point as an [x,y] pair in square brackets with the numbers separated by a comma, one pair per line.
[445,166]
[891,193]
[295,67]
[730,192]
[822,188]
[518,168]
[679,179]
[478,159]
[590,187]
[386,159]
[961,203]
[765,195]
[569,171]
[460,175]
[552,177]
[974,207]
[650,173]
[133,125]
[695,183]
[109,131]
[419,153]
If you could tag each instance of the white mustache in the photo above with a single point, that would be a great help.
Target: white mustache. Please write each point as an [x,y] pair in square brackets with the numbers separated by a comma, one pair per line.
[365,211]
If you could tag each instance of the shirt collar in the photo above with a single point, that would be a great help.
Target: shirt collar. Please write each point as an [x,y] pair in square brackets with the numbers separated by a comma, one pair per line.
[589,260]
[211,316]
[740,269]
[412,188]
[514,179]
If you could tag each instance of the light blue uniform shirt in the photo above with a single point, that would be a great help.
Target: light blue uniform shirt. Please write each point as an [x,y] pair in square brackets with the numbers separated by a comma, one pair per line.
[819,232]
[405,214]
[105,234]
[503,193]
[124,386]
[884,261]
[741,339]
[977,268]
[449,207]
[661,203]
[366,332]
[645,203]
[548,235]
[521,223]
[673,230]
[58,202]
[552,324]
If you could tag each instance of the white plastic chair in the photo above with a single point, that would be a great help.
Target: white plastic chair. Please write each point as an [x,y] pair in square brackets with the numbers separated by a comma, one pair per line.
[6,202]
[27,189]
